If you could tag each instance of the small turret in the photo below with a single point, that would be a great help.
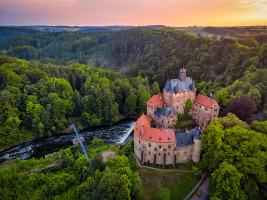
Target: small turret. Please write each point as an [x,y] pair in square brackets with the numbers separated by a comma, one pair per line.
[197,143]
[167,86]
[193,85]
[210,96]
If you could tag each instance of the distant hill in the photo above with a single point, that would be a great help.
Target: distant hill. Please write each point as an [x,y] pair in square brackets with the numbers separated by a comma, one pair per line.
[119,28]
[9,32]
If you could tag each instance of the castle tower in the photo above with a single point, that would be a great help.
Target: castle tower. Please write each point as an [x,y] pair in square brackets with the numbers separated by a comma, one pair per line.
[182,74]
[197,144]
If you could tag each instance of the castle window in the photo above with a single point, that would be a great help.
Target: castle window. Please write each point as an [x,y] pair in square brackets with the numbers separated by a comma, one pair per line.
[206,108]
[185,152]
[215,110]
[159,138]
[168,153]
[150,137]
[159,154]
[149,144]
[168,122]
[149,152]
[159,146]
[162,121]
[148,161]
[139,141]
[169,146]
[168,138]
[139,149]
[177,107]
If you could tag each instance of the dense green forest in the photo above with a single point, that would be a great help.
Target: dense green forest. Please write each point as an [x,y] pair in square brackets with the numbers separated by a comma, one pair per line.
[69,175]
[235,156]
[40,98]
[36,90]
[40,94]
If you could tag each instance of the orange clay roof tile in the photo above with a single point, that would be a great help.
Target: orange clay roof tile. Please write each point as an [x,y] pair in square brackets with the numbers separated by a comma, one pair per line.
[205,101]
[156,100]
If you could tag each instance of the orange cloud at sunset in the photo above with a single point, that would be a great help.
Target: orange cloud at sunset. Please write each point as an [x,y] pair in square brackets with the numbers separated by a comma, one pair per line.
[138,12]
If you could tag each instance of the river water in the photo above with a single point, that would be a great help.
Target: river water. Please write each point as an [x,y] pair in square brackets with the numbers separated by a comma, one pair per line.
[115,134]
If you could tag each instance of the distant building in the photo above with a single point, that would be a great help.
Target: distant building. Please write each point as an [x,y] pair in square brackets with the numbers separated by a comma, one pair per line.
[154,139]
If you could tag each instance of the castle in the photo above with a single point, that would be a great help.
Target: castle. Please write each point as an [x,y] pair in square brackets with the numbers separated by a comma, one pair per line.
[155,141]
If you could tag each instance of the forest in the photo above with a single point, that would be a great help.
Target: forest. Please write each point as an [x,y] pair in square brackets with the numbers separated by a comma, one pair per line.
[69,175]
[45,80]
[39,99]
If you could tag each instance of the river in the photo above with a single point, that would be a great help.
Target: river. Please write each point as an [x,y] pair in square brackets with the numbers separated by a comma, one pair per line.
[115,134]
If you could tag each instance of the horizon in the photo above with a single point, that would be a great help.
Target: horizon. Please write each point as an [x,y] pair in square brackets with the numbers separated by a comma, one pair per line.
[172,13]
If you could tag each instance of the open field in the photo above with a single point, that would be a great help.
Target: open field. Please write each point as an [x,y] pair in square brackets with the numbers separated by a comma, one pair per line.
[179,183]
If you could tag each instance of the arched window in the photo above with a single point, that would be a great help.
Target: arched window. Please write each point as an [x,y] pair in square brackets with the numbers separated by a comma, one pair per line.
[159,146]
[149,144]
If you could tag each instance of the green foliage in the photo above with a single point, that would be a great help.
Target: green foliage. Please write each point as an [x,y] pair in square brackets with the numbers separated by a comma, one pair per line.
[42,97]
[231,120]
[130,105]
[143,96]
[255,95]
[97,142]
[235,156]
[72,179]
[128,149]
[185,116]
[184,126]
[260,126]
[163,194]
[196,171]
[155,88]
[114,186]
[97,163]
[225,182]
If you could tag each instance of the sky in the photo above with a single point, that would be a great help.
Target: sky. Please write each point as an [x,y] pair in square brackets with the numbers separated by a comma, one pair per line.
[134,12]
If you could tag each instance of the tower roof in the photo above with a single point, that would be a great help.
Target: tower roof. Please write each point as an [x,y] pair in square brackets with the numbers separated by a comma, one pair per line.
[184,86]
[157,99]
[165,112]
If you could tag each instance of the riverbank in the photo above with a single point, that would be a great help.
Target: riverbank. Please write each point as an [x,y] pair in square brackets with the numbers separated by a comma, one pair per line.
[115,134]
[28,136]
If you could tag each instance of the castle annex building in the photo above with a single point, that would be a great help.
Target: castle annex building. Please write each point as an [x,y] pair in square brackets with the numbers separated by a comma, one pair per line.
[155,141]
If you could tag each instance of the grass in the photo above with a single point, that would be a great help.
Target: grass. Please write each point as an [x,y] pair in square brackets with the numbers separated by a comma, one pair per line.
[180,166]
[179,183]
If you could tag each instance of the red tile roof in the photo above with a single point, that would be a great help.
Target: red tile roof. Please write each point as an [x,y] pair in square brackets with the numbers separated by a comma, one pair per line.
[157,99]
[143,130]
[205,101]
